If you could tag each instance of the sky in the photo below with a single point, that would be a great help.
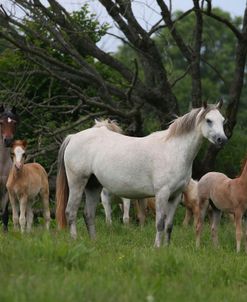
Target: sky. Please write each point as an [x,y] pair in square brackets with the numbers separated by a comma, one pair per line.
[146,12]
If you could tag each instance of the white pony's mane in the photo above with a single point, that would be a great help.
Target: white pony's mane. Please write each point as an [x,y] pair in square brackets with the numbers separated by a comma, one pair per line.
[188,122]
[109,124]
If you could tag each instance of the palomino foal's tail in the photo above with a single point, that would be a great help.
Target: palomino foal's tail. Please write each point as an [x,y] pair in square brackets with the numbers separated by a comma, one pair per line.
[62,188]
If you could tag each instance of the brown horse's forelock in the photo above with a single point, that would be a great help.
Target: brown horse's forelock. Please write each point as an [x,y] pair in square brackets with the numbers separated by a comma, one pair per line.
[9,114]
[187,122]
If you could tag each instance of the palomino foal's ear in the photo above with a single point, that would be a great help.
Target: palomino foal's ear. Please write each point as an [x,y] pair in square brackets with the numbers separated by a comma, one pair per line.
[204,104]
[220,103]
[24,143]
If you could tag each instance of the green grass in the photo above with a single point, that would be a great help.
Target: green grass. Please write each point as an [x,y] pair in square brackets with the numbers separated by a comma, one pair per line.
[121,265]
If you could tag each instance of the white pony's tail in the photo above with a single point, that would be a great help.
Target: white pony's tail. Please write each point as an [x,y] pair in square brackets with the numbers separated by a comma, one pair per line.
[62,188]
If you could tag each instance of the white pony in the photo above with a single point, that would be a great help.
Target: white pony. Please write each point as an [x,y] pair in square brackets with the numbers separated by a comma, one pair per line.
[157,165]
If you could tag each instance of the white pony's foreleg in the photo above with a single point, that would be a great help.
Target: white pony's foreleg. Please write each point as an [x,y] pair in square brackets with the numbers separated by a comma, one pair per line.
[170,211]
[161,204]
[126,210]
[106,202]
[92,199]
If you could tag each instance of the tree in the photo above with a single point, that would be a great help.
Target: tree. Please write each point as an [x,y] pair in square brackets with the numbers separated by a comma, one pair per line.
[101,82]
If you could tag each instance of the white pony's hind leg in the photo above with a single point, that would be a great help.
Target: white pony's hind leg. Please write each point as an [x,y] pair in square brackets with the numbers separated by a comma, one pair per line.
[170,211]
[126,210]
[106,202]
[92,199]
[161,203]
[76,189]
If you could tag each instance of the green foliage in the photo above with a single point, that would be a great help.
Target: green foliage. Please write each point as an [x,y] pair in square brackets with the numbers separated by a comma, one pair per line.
[44,104]
[88,23]
[121,265]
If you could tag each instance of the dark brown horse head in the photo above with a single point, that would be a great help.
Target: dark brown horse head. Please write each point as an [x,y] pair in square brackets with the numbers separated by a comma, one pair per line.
[8,123]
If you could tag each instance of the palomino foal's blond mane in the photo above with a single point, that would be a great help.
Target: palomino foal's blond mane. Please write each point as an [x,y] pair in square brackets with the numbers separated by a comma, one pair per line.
[109,124]
[186,123]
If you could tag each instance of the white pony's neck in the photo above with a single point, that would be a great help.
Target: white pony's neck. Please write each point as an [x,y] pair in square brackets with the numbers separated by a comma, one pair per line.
[186,148]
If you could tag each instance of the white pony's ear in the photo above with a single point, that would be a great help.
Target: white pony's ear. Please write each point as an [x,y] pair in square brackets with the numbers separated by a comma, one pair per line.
[220,103]
[204,104]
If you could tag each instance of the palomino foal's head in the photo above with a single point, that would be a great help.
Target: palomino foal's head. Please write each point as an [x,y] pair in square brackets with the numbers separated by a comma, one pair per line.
[8,122]
[19,153]
[212,124]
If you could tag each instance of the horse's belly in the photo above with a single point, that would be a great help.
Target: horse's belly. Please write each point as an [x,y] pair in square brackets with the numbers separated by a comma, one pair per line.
[127,187]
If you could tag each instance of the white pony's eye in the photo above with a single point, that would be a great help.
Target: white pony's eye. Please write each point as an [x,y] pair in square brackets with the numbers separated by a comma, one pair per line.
[209,122]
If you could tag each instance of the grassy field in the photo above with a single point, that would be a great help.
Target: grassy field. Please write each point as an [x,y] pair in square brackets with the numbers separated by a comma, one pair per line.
[121,265]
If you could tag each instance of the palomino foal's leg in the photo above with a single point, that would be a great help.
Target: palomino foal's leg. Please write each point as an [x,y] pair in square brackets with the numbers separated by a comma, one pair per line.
[23,208]
[245,227]
[106,202]
[216,215]
[126,210]
[141,207]
[14,206]
[161,202]
[187,218]
[201,211]
[170,211]
[92,199]
[46,210]
[238,224]
[29,217]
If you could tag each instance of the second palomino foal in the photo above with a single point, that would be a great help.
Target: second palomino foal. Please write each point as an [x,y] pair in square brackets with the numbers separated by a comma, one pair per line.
[225,195]
[25,182]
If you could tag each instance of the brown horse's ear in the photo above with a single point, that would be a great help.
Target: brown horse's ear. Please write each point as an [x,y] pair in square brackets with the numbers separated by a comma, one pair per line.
[220,103]
[13,109]
[1,108]
[204,104]
[24,143]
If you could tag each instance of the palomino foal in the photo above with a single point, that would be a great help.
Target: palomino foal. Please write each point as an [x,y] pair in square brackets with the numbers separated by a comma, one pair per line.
[190,201]
[25,182]
[225,195]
